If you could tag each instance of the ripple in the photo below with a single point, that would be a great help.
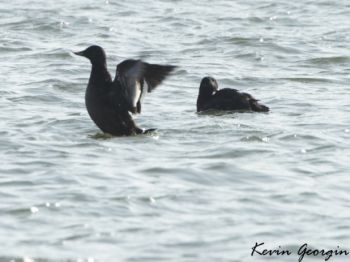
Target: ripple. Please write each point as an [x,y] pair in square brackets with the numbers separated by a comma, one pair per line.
[328,60]
[309,79]
[202,183]
[8,49]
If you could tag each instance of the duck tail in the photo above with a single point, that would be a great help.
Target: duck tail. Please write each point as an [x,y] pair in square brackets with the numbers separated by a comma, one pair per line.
[148,131]
[140,131]
[258,107]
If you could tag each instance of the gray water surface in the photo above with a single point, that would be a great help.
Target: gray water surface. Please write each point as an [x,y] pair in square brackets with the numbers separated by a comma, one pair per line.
[204,187]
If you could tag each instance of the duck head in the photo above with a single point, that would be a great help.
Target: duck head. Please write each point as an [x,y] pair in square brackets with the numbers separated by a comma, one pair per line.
[208,86]
[95,54]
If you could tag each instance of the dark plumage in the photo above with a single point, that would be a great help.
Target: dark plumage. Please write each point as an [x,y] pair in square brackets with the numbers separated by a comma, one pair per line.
[109,102]
[210,97]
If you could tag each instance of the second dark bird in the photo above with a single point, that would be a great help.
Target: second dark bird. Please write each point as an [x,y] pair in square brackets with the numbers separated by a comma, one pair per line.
[108,101]
[210,97]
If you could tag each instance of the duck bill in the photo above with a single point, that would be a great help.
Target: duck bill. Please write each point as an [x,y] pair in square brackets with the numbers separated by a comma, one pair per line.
[81,53]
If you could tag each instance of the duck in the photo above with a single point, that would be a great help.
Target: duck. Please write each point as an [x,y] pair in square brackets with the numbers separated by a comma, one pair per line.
[111,103]
[210,97]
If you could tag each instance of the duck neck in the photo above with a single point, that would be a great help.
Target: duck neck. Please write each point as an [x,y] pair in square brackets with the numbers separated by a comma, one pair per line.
[99,74]
[201,101]
[203,96]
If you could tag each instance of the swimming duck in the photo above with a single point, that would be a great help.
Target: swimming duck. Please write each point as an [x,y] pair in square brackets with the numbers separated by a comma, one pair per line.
[210,97]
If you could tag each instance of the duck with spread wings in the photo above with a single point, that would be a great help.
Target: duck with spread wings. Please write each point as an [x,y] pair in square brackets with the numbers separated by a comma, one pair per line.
[109,102]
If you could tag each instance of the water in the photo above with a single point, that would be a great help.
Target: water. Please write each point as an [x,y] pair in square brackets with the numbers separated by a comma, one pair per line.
[203,187]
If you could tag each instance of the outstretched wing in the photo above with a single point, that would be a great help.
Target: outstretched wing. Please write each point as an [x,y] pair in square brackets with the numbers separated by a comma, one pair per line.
[155,74]
[129,78]
[131,75]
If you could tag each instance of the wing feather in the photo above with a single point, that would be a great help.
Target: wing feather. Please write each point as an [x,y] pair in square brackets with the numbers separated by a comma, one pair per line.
[132,74]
